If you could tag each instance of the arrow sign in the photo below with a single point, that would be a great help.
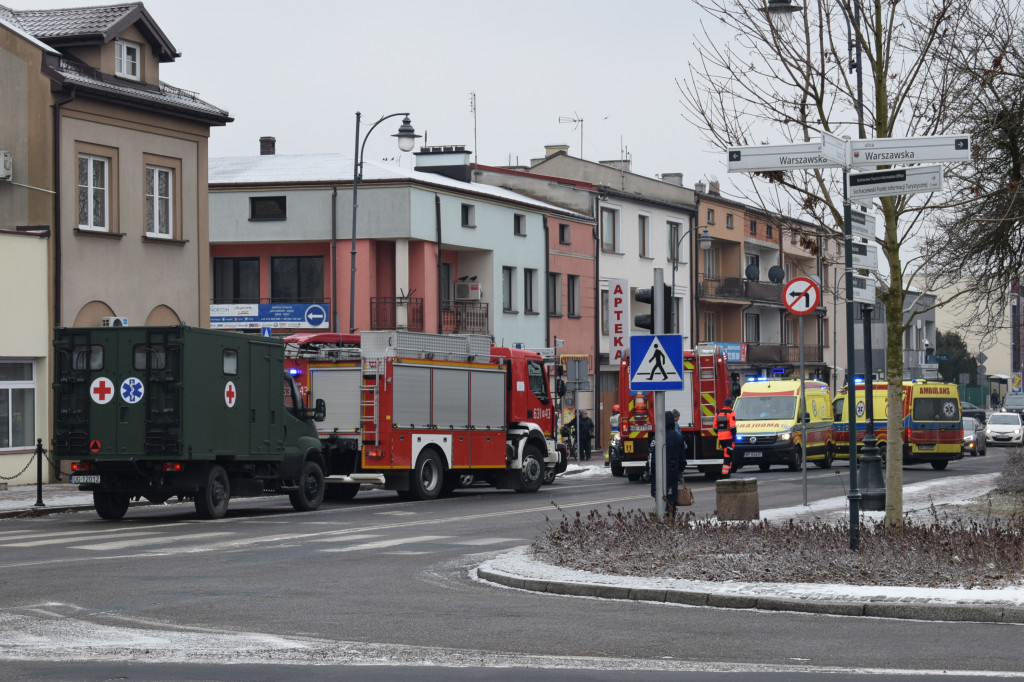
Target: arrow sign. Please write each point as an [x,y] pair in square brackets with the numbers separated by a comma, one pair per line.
[801,295]
[770,157]
[896,181]
[905,150]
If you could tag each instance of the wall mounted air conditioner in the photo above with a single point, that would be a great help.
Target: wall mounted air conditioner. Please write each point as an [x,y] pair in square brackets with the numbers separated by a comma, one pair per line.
[114,321]
[6,166]
[468,291]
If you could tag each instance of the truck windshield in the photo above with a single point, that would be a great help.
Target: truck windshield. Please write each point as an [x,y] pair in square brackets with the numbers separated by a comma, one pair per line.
[766,407]
[936,410]
[538,380]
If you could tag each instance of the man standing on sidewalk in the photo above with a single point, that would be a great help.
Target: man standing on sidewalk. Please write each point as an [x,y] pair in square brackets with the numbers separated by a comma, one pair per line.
[586,434]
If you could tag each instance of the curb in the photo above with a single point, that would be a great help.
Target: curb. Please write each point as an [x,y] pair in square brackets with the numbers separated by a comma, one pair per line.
[975,613]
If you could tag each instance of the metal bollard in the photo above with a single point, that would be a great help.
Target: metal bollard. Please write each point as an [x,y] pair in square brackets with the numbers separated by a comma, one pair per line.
[39,473]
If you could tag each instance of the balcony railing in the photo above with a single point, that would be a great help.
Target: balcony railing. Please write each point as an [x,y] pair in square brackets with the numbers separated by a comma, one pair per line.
[716,286]
[464,317]
[782,353]
[764,291]
[384,313]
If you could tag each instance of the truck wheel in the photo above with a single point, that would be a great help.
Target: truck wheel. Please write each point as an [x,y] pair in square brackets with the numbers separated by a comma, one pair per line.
[212,500]
[310,494]
[549,476]
[111,506]
[634,475]
[427,477]
[340,492]
[939,466]
[450,483]
[531,476]
[764,467]
[617,469]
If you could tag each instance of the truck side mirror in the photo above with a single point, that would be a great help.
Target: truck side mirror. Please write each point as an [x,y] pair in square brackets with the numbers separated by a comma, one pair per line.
[320,411]
[807,417]
[560,388]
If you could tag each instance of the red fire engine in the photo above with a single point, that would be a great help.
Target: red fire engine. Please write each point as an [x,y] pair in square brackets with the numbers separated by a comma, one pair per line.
[705,388]
[418,413]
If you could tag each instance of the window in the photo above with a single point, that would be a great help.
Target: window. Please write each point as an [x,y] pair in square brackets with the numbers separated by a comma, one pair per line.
[519,224]
[554,294]
[752,328]
[711,263]
[564,234]
[609,230]
[710,333]
[711,216]
[573,287]
[789,271]
[468,215]
[296,279]
[126,59]
[508,289]
[446,286]
[17,404]
[538,379]
[768,231]
[753,228]
[529,290]
[159,184]
[93,201]
[149,356]
[229,361]
[728,220]
[605,313]
[673,242]
[643,230]
[236,280]
[87,357]
[824,331]
[268,208]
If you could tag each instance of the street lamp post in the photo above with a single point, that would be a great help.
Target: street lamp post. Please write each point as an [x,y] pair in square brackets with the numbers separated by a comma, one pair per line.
[406,141]
[704,240]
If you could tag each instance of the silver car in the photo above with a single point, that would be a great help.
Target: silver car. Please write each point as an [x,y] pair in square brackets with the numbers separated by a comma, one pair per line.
[1004,428]
[974,437]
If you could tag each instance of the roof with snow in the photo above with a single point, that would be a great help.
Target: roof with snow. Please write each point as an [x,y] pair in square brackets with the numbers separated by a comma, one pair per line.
[285,169]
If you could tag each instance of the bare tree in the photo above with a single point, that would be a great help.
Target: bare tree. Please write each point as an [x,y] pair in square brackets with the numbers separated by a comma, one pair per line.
[769,83]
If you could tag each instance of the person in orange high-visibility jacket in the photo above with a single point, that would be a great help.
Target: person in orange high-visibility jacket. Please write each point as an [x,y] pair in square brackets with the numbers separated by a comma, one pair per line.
[725,425]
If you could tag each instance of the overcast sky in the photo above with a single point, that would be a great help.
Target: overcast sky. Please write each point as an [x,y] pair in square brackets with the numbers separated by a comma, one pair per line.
[300,70]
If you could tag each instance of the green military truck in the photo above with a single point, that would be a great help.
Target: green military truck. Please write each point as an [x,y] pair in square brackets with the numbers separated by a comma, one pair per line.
[158,412]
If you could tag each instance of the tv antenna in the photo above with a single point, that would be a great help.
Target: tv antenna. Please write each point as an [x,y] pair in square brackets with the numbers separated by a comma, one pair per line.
[577,122]
[472,108]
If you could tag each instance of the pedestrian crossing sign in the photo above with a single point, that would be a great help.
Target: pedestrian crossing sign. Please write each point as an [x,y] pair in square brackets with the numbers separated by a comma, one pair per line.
[655,361]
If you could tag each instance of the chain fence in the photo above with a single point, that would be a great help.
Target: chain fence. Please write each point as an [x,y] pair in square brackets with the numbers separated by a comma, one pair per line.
[39,451]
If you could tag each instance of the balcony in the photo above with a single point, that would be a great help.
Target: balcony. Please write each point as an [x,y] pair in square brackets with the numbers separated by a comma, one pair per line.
[384,312]
[716,286]
[464,317]
[777,353]
[764,291]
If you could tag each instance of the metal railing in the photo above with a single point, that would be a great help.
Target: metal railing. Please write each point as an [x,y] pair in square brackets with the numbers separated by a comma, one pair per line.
[464,317]
[384,313]
[783,353]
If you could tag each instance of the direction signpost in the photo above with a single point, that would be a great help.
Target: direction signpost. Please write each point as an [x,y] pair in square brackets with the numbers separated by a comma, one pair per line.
[772,157]
[888,151]
[894,181]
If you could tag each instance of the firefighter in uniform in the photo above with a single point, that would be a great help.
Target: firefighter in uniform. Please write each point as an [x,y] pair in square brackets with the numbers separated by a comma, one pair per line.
[725,425]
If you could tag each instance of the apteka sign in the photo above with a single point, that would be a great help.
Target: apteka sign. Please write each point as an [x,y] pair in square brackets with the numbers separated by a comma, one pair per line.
[618,311]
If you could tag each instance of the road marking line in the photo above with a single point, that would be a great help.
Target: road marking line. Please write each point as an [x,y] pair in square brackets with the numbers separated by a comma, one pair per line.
[394,542]
[149,541]
[65,540]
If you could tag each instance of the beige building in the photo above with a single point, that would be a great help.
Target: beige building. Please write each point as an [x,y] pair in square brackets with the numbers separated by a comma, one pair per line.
[111,162]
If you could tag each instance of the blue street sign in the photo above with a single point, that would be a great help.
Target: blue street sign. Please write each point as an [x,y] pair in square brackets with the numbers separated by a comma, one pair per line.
[266,332]
[656,362]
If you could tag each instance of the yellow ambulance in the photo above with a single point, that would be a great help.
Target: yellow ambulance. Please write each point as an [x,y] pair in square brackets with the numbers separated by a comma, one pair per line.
[768,426]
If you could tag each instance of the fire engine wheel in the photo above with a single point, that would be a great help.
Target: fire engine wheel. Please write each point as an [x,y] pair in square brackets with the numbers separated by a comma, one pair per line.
[310,494]
[427,477]
[764,467]
[110,506]
[617,469]
[340,492]
[634,476]
[939,466]
[531,476]
[212,500]
[549,476]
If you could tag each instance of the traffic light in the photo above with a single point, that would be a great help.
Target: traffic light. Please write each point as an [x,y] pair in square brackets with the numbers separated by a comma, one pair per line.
[646,320]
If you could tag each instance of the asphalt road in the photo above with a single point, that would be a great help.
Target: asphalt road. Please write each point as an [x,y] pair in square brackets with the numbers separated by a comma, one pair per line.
[381,582]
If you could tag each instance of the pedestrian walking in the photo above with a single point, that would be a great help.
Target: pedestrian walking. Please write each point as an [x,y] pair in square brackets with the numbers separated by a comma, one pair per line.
[675,463]
[725,425]
[586,434]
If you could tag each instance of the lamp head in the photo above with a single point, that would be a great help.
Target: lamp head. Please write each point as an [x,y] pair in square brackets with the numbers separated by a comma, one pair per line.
[780,13]
[704,240]
[406,135]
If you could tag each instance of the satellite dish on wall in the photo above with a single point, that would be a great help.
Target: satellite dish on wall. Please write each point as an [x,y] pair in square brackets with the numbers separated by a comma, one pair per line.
[752,272]
[776,274]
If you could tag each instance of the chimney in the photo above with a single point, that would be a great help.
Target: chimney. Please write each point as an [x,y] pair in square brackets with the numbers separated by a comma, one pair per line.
[451,161]
[618,164]
[268,146]
[714,188]
[552,149]
[673,179]
[700,187]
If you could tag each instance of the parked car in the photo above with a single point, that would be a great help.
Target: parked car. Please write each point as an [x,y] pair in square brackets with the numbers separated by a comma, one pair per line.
[974,437]
[1004,428]
[973,411]
[1014,402]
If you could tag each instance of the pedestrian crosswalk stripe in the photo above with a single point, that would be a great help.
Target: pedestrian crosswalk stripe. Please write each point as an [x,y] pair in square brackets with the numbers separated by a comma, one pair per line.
[138,542]
[389,543]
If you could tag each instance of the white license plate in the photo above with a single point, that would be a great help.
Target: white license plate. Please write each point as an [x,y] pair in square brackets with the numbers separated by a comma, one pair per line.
[926,446]
[86,478]
[752,454]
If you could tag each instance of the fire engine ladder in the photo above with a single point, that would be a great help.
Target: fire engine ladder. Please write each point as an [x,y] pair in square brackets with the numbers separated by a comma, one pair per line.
[706,356]
[369,399]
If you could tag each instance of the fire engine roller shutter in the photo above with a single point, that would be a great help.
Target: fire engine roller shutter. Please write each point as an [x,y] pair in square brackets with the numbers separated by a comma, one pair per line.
[451,398]
[409,393]
[488,400]
[340,390]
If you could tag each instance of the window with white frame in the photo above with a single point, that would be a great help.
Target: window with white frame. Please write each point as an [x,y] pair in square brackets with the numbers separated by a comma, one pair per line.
[93,188]
[564,234]
[529,290]
[609,230]
[554,294]
[711,263]
[728,220]
[711,216]
[468,215]
[126,59]
[519,224]
[17,404]
[673,242]
[643,229]
[752,328]
[573,289]
[710,330]
[605,313]
[508,289]
[159,202]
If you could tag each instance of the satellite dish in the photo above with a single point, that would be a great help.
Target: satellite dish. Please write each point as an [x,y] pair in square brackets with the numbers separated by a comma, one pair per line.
[776,274]
[752,272]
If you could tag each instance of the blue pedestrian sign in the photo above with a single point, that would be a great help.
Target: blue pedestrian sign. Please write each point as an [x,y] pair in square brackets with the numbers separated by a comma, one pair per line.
[655,362]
